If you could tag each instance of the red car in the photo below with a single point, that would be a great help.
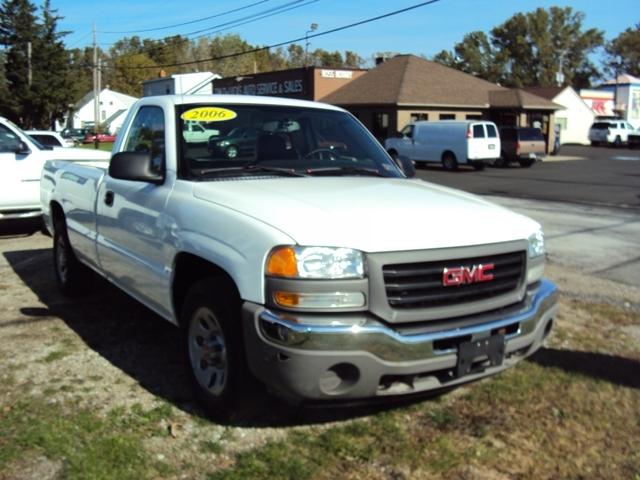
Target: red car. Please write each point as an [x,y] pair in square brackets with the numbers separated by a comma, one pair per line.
[102,137]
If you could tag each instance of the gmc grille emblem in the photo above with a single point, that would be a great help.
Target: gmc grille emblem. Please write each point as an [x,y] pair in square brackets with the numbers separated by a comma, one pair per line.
[452,277]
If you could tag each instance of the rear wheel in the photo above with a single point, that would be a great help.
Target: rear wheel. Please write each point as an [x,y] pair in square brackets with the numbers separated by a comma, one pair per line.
[617,142]
[502,161]
[73,278]
[479,166]
[526,162]
[211,327]
[594,143]
[449,162]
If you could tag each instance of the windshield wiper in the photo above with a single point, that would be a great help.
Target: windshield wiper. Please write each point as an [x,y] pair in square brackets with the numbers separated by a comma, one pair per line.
[348,169]
[252,167]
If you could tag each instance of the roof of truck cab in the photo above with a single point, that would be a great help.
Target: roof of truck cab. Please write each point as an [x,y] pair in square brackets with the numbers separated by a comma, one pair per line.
[169,100]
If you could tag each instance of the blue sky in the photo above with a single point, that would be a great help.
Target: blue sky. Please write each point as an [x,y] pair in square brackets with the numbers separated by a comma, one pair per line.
[426,30]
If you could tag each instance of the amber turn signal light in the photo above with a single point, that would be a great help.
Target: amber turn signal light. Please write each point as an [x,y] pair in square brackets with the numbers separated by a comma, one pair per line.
[282,263]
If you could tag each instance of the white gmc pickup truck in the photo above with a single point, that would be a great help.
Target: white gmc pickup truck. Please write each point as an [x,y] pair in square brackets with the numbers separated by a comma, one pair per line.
[308,260]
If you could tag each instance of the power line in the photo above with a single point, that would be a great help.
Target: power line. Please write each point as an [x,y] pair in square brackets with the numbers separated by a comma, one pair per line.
[275,45]
[295,4]
[189,22]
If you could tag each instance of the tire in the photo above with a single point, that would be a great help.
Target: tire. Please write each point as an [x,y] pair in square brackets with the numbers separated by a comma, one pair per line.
[214,353]
[617,143]
[502,161]
[73,278]
[594,143]
[449,162]
[394,155]
[477,166]
[232,152]
[526,162]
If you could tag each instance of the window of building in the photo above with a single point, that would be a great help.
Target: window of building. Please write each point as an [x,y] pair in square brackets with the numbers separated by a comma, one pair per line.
[381,125]
[417,117]
[473,117]
[447,116]
[562,122]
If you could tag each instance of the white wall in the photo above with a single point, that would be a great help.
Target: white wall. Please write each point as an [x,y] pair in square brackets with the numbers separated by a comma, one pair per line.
[576,117]
[110,103]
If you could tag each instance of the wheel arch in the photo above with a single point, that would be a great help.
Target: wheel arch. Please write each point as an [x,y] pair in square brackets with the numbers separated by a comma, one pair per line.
[448,151]
[188,269]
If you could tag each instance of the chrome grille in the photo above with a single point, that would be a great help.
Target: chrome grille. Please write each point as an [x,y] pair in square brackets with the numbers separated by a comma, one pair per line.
[419,285]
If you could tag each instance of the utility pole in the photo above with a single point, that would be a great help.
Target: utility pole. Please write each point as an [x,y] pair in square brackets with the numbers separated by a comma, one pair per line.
[96,82]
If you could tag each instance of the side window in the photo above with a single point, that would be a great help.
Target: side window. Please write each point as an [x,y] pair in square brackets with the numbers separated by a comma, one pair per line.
[147,134]
[407,131]
[478,131]
[9,141]
[491,131]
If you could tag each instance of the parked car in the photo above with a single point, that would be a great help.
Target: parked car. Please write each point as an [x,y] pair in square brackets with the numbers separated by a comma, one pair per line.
[610,132]
[451,143]
[324,272]
[239,142]
[194,132]
[49,138]
[75,134]
[21,162]
[102,137]
[524,145]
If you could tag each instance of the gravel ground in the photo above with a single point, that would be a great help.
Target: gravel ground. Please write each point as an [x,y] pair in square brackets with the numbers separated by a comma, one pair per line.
[105,352]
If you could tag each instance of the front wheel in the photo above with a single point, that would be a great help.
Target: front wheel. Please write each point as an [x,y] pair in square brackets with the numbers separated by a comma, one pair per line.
[449,162]
[73,278]
[232,152]
[211,324]
[617,143]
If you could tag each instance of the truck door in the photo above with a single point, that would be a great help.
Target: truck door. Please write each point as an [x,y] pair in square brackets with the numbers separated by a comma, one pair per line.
[404,145]
[133,234]
[20,167]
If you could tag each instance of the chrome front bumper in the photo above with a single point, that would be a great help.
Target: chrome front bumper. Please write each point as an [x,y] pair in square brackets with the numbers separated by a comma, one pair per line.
[357,356]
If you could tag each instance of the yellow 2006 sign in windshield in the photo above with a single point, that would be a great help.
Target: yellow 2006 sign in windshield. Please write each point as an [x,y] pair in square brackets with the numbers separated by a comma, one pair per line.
[209,114]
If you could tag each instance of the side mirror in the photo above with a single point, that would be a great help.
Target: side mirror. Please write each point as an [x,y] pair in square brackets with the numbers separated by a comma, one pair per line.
[22,148]
[406,165]
[136,166]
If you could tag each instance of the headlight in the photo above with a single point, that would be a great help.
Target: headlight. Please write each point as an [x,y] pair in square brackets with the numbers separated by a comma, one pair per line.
[315,263]
[536,244]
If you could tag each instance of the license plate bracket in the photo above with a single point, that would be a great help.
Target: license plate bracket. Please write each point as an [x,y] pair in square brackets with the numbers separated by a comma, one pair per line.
[476,355]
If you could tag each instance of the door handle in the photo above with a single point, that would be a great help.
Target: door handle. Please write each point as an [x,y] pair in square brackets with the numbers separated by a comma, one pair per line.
[108,198]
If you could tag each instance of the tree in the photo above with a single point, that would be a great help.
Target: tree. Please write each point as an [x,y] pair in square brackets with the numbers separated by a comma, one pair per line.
[475,55]
[18,30]
[37,76]
[623,53]
[530,49]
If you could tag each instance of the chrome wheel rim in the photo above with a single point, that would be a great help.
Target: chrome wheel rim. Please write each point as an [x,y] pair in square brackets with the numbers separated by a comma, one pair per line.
[232,152]
[62,261]
[207,351]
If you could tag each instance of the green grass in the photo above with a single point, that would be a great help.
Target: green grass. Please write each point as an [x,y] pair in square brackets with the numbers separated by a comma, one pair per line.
[89,446]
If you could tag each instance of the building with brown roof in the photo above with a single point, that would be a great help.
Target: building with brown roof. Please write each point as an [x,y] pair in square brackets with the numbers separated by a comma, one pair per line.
[407,88]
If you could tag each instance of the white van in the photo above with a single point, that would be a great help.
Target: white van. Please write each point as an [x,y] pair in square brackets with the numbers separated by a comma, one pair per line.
[449,142]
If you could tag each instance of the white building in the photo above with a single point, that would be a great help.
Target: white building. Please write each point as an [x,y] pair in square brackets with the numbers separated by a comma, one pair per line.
[574,119]
[113,110]
[626,94]
[196,83]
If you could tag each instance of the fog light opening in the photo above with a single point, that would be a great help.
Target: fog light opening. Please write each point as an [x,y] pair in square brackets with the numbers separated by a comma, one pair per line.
[339,379]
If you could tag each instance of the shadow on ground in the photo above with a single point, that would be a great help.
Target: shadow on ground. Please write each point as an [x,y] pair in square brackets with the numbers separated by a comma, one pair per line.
[619,370]
[147,348]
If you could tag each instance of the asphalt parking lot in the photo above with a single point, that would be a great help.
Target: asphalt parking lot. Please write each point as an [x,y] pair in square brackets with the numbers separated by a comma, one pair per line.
[578,174]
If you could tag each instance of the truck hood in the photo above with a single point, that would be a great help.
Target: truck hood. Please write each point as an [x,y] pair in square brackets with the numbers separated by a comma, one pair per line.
[369,214]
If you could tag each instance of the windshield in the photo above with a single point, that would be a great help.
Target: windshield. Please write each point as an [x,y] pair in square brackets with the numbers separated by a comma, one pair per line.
[257,139]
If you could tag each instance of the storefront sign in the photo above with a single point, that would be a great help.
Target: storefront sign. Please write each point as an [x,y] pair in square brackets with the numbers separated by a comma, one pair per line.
[345,74]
